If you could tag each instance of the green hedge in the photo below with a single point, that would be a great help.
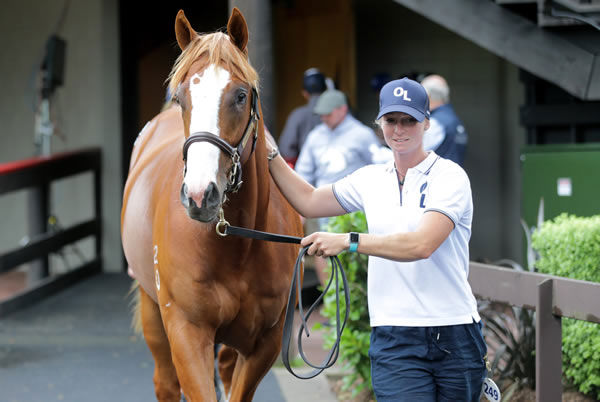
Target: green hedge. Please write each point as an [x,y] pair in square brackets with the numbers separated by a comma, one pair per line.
[569,246]
[354,346]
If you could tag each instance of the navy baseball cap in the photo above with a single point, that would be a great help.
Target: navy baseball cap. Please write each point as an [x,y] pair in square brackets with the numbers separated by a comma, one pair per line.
[406,96]
[313,81]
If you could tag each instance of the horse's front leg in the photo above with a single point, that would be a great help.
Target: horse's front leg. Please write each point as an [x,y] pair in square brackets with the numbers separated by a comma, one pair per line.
[251,369]
[166,385]
[192,348]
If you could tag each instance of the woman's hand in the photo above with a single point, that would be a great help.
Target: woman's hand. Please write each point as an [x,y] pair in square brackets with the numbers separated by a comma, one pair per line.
[326,244]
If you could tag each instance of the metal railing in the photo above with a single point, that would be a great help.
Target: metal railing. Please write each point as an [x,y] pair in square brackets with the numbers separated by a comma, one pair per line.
[552,298]
[36,174]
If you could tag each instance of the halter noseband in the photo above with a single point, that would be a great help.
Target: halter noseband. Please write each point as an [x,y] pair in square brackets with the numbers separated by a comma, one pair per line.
[234,181]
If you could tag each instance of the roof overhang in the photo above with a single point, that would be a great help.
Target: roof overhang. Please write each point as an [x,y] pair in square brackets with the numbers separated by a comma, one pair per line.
[548,55]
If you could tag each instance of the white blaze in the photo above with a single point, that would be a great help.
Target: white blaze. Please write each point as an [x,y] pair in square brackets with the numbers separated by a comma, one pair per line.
[203,158]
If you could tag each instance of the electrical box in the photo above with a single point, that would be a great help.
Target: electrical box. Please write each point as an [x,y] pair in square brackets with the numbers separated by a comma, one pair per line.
[566,176]
[54,63]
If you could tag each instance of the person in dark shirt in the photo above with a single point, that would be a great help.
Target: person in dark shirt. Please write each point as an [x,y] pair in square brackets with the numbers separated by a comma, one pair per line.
[302,119]
[446,135]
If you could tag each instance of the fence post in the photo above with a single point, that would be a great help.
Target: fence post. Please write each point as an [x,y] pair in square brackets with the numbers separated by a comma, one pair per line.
[548,347]
[37,201]
[98,206]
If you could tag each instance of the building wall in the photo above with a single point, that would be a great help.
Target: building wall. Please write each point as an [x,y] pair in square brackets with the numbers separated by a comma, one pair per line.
[87,108]
[486,94]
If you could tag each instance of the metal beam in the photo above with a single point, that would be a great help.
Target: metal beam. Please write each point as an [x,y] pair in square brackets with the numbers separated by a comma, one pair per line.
[46,243]
[580,6]
[258,16]
[48,286]
[555,115]
[521,42]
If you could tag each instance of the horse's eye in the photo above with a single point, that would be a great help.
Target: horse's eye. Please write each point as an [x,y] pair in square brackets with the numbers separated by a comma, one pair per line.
[241,98]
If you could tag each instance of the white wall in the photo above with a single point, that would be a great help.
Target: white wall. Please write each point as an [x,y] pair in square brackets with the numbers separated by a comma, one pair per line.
[486,94]
[88,108]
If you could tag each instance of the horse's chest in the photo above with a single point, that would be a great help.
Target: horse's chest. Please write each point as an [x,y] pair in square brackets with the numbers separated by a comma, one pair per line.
[223,280]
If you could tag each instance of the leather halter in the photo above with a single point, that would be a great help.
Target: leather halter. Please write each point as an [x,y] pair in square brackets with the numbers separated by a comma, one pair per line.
[234,181]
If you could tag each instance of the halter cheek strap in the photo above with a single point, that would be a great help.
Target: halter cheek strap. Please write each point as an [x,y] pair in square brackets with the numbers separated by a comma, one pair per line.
[235,174]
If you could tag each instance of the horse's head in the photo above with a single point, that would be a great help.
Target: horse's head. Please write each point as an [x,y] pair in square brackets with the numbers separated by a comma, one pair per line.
[216,88]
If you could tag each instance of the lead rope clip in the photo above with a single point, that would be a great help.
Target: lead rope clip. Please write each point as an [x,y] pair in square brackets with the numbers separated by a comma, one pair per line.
[222,224]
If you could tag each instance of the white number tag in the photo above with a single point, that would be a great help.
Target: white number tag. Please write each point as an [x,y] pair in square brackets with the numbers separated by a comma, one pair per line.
[490,390]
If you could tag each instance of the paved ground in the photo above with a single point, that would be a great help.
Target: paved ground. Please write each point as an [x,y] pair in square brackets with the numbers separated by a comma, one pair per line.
[78,346]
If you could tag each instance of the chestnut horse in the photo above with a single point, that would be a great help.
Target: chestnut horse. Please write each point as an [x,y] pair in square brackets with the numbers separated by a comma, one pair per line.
[197,288]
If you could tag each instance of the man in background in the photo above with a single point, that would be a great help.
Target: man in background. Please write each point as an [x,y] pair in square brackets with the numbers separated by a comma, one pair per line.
[302,119]
[446,135]
[334,149]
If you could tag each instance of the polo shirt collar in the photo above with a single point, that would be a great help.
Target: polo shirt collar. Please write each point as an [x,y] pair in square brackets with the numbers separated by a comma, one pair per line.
[422,167]
[427,163]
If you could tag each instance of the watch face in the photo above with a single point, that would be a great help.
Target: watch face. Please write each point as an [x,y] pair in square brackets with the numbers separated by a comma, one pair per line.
[353,237]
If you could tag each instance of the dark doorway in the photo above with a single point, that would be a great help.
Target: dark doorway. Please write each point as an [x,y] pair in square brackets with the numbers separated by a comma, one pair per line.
[148,51]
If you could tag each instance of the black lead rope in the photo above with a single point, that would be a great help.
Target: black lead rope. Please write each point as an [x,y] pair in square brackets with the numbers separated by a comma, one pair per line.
[257,234]
[296,289]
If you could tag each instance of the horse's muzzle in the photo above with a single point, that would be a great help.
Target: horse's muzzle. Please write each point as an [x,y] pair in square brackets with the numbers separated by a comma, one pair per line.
[210,204]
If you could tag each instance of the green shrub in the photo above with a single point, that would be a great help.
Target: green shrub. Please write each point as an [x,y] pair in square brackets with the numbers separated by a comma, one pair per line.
[581,355]
[354,346]
[569,246]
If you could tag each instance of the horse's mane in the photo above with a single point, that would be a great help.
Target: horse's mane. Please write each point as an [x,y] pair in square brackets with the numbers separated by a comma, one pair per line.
[217,49]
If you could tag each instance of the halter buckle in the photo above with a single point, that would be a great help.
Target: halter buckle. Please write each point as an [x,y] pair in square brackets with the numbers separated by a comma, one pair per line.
[235,159]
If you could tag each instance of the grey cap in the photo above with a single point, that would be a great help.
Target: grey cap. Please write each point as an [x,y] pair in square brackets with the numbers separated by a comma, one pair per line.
[329,100]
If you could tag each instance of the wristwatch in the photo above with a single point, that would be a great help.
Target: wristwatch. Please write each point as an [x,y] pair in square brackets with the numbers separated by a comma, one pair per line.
[353,242]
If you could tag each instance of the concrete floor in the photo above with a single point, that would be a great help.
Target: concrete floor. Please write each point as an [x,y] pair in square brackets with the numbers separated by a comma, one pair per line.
[78,346]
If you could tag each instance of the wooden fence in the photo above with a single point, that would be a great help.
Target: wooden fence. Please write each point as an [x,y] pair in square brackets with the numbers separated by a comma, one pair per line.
[36,174]
[552,298]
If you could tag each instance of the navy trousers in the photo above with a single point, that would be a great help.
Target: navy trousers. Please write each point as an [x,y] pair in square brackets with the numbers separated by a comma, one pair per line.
[428,363]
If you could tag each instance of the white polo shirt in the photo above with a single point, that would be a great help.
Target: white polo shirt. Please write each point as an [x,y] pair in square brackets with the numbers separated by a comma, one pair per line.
[428,292]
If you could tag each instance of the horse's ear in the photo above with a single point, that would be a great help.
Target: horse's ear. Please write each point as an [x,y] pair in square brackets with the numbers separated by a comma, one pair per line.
[183,30]
[238,29]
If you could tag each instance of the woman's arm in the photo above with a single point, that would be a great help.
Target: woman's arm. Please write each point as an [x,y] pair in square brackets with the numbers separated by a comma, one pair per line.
[433,229]
[308,201]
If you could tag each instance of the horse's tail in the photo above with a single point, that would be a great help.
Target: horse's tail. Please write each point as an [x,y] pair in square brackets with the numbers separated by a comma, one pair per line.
[136,307]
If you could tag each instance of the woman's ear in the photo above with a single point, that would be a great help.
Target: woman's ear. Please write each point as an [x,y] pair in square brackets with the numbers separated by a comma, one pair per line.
[426,124]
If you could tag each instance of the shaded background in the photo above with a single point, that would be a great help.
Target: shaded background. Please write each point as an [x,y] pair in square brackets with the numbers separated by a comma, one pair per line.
[518,76]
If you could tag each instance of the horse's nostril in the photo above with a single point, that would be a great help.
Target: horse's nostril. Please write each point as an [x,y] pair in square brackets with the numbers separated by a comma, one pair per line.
[212,195]
[183,195]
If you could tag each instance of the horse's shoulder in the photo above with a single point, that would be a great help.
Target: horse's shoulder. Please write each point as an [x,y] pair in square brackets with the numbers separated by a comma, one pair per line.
[163,133]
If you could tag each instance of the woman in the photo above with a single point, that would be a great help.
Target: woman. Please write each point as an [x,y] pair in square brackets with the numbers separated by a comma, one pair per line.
[426,339]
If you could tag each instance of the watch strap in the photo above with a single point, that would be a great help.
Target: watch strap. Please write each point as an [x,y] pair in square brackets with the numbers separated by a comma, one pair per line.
[353,242]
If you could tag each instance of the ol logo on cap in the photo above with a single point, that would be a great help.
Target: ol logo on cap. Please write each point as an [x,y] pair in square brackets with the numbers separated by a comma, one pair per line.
[400,92]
